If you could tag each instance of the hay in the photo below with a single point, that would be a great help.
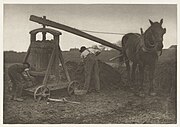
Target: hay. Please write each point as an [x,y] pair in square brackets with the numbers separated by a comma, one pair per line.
[166,78]
[166,73]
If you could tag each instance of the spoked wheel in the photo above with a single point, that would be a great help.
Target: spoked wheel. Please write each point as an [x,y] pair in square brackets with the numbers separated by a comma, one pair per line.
[72,85]
[42,92]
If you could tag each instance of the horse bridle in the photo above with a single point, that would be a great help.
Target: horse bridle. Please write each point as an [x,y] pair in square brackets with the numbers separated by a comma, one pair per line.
[152,46]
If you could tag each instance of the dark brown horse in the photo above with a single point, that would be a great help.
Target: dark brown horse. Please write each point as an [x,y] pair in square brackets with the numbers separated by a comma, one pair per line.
[142,49]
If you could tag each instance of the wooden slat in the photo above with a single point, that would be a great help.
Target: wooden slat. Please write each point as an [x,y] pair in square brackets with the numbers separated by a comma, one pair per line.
[49,67]
[56,66]
[27,55]
[51,86]
[63,64]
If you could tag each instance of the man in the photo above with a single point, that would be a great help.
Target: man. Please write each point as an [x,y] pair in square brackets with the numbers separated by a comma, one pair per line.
[16,76]
[88,56]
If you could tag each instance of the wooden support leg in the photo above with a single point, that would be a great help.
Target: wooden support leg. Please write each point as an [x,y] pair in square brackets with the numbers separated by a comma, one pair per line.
[63,64]
[49,66]
[56,66]
[27,55]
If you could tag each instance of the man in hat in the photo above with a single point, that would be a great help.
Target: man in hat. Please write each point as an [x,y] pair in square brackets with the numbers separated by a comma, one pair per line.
[88,56]
[16,76]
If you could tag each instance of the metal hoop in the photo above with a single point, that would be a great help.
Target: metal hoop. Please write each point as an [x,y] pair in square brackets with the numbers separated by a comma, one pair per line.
[71,87]
[41,92]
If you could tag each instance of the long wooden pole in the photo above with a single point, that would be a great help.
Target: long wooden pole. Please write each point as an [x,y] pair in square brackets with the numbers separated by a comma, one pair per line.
[69,29]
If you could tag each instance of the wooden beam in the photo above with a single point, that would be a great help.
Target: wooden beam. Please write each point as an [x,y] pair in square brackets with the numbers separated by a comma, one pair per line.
[69,29]
[49,66]
[63,64]
[27,54]
[44,33]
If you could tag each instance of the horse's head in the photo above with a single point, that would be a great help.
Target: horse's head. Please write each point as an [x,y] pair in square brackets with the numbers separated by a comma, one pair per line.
[155,35]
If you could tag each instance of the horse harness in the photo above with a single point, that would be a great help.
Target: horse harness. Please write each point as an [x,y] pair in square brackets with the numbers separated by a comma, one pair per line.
[142,47]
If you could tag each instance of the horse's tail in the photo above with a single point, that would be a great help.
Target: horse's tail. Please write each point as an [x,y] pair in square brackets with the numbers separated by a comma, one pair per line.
[123,42]
[124,39]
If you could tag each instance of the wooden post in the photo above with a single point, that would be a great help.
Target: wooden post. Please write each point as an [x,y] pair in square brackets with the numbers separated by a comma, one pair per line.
[59,53]
[63,64]
[56,65]
[27,54]
[141,31]
[44,33]
[33,38]
[49,66]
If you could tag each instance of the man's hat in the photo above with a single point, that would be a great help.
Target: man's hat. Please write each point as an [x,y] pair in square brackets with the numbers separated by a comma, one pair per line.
[82,49]
[27,64]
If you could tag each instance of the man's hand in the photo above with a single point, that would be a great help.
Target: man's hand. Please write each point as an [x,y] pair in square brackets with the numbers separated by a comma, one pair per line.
[97,53]
[27,69]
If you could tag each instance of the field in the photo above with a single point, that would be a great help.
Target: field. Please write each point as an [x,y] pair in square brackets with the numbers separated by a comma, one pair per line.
[115,104]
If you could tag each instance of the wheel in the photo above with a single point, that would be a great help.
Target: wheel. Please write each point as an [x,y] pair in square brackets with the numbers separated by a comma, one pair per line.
[72,85]
[42,92]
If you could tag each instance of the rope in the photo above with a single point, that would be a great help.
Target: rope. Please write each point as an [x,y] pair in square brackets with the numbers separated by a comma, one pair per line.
[100,32]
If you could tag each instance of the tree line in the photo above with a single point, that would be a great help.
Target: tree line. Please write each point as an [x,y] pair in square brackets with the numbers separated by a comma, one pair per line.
[13,56]
[71,55]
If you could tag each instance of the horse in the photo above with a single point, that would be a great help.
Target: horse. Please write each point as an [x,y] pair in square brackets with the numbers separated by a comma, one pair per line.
[142,50]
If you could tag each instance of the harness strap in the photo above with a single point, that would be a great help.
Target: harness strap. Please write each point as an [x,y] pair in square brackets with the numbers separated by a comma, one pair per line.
[143,47]
[88,50]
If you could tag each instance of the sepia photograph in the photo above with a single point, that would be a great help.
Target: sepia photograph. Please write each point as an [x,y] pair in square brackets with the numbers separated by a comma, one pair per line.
[92,63]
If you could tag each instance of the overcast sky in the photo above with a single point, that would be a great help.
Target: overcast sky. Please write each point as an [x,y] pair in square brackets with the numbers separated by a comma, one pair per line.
[116,18]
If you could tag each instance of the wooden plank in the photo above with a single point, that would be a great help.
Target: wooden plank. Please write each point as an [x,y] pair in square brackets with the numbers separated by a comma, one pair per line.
[49,66]
[27,55]
[63,64]
[47,22]
[51,86]
[56,66]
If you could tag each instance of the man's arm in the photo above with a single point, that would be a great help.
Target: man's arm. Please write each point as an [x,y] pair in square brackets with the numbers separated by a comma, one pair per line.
[24,78]
[97,51]
[26,71]
[82,59]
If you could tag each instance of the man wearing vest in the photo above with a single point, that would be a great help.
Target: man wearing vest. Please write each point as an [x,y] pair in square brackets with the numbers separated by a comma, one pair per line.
[16,76]
[89,57]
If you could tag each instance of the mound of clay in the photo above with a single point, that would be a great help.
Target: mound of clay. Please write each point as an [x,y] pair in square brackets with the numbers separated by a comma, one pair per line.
[109,77]
[166,73]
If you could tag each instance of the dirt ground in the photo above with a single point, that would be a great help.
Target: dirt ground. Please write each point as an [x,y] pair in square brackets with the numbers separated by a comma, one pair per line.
[113,105]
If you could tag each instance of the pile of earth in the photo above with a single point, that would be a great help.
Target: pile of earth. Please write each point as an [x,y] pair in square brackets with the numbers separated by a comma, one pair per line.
[166,73]
[165,77]
[109,77]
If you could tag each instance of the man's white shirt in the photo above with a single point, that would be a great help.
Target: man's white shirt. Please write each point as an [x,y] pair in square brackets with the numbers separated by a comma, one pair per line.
[88,51]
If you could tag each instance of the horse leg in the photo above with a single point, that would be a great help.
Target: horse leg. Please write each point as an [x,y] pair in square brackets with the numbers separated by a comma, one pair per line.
[128,70]
[133,72]
[141,78]
[151,78]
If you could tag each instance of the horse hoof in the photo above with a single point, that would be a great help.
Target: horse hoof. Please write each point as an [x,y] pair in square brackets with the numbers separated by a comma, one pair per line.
[153,94]
[141,94]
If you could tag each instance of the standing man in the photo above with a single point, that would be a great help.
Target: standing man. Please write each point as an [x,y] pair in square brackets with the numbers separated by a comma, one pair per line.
[16,76]
[88,56]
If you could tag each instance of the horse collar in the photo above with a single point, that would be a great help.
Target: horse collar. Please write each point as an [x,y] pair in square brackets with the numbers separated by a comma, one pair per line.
[144,48]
